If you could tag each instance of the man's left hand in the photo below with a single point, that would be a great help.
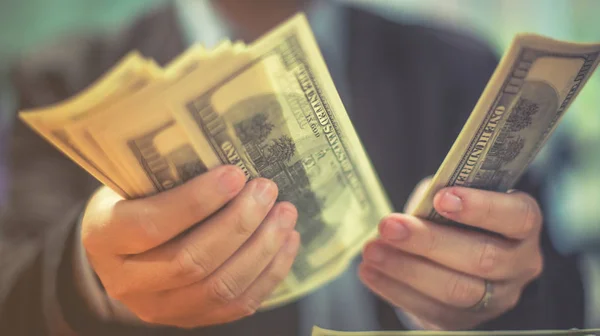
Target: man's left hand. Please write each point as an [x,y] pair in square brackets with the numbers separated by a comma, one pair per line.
[438,274]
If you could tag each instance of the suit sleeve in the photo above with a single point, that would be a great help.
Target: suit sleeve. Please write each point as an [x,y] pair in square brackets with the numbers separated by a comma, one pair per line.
[40,283]
[46,195]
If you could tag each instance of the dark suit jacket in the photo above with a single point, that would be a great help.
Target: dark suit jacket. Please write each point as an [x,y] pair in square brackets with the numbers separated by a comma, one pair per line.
[411,90]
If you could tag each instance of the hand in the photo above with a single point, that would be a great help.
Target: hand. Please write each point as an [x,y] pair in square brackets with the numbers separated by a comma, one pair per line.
[151,256]
[437,273]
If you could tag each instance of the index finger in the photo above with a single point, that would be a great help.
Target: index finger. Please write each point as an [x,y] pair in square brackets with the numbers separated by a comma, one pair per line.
[514,215]
[135,226]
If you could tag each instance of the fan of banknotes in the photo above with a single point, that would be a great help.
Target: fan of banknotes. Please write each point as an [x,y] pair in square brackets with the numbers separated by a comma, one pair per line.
[271,109]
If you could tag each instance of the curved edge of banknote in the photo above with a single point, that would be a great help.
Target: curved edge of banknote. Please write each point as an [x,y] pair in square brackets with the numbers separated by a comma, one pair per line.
[50,121]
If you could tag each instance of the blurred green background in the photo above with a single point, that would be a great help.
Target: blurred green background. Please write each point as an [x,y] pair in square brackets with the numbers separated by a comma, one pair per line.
[575,191]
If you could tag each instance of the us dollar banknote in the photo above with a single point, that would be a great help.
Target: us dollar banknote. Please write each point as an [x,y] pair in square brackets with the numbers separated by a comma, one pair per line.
[572,332]
[132,73]
[290,126]
[271,109]
[535,83]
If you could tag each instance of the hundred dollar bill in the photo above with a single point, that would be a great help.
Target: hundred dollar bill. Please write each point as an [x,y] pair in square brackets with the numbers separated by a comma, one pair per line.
[272,110]
[135,113]
[535,83]
[131,74]
[572,332]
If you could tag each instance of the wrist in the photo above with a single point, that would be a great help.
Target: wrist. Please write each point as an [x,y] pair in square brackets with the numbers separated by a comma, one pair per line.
[91,290]
[85,281]
[73,303]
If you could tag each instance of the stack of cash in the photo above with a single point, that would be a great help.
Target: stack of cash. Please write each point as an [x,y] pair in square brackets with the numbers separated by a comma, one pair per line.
[535,83]
[271,109]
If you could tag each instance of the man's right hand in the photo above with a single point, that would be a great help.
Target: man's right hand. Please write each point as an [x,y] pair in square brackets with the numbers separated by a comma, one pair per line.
[206,252]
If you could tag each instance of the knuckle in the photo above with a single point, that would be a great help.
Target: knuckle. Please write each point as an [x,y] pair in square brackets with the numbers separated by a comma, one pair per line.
[249,306]
[277,275]
[530,214]
[533,216]
[488,254]
[198,207]
[92,225]
[242,224]
[151,314]
[115,285]
[268,249]
[225,289]
[145,317]
[193,261]
[118,292]
[462,292]
[151,319]
[94,235]
[195,209]
[145,222]
[537,267]
[513,300]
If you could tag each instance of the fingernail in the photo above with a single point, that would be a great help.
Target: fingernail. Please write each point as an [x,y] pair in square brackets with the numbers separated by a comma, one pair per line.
[264,192]
[450,202]
[230,180]
[374,254]
[392,229]
[287,216]
[292,243]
